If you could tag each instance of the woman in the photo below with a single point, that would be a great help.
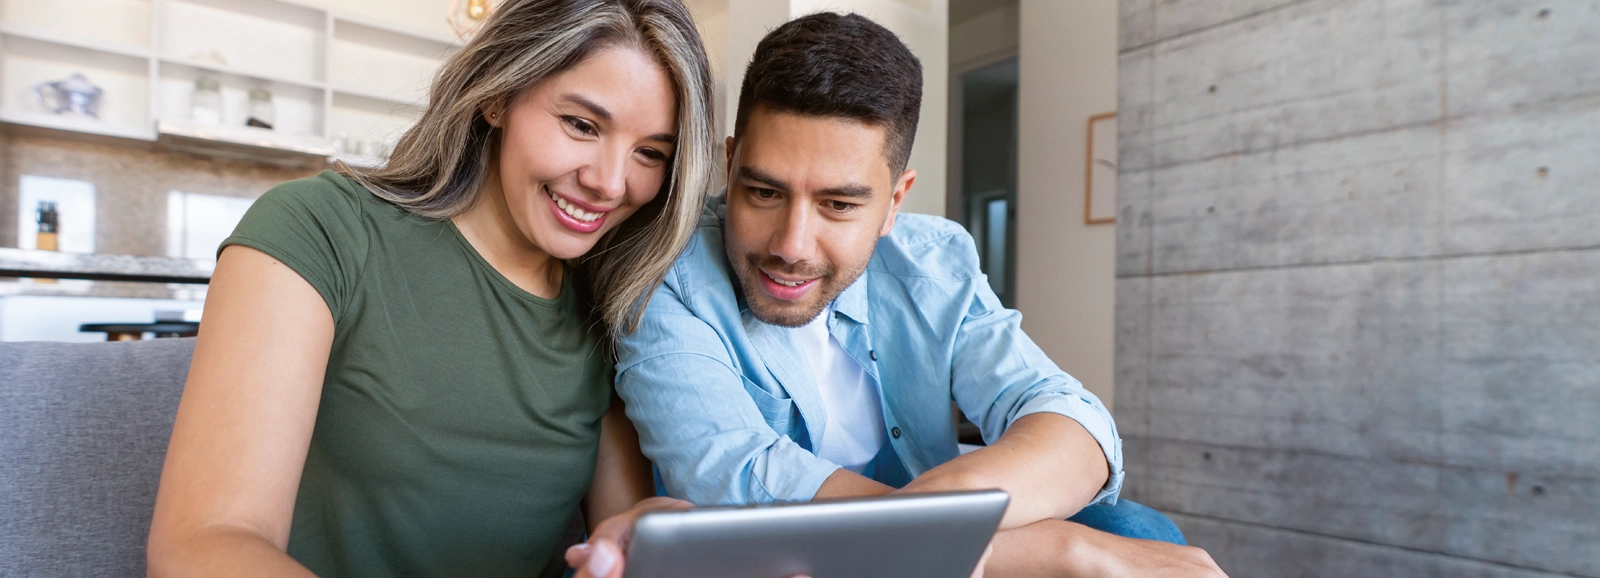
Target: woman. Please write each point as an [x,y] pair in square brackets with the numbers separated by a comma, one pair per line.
[401,370]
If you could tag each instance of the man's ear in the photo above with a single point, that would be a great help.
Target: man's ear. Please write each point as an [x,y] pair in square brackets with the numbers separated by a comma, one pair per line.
[901,188]
[727,146]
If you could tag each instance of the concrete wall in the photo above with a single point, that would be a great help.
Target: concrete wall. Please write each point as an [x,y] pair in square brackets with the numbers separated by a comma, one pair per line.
[1065,269]
[1358,282]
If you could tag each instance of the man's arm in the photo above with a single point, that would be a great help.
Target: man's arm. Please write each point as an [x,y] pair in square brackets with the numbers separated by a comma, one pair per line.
[1040,461]
[1048,462]
[1052,444]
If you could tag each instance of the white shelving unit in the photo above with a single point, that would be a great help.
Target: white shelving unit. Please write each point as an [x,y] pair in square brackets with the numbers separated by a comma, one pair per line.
[334,77]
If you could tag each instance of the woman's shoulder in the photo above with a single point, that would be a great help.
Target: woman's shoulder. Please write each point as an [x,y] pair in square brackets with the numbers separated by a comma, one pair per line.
[327,190]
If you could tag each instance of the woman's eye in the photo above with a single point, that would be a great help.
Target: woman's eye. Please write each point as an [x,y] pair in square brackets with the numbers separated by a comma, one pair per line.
[653,154]
[582,126]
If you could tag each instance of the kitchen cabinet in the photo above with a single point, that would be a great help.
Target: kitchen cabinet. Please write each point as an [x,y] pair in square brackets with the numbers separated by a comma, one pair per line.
[337,80]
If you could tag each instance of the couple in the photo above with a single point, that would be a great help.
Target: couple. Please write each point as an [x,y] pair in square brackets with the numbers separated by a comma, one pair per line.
[409,370]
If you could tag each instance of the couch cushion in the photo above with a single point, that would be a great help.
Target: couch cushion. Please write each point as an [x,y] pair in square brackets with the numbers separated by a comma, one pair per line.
[85,431]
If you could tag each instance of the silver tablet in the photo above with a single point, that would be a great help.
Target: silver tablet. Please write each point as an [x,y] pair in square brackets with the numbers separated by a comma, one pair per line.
[910,536]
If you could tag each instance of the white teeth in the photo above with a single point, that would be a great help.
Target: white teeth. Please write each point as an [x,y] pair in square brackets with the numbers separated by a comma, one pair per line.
[574,211]
[786,283]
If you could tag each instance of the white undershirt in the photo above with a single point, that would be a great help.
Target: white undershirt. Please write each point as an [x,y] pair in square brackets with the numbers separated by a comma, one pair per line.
[854,431]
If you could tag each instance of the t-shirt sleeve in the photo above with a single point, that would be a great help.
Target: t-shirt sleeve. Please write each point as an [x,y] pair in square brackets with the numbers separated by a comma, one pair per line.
[315,227]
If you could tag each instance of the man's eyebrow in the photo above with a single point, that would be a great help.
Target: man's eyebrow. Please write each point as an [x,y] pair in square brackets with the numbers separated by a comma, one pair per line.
[848,191]
[759,176]
[604,114]
[853,191]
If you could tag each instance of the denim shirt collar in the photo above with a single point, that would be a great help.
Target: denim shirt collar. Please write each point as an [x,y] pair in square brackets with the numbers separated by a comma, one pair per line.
[852,302]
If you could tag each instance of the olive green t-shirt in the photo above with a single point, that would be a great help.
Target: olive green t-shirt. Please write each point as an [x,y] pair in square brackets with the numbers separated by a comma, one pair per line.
[460,415]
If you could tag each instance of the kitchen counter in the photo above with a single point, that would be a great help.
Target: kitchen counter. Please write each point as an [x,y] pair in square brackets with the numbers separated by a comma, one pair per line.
[55,265]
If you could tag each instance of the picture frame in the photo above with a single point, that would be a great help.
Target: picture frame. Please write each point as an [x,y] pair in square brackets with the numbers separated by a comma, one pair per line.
[1100,170]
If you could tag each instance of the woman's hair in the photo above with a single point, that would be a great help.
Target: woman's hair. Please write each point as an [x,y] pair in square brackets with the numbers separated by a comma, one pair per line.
[440,163]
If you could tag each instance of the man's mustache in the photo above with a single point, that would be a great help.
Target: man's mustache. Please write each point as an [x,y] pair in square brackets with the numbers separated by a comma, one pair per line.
[777,265]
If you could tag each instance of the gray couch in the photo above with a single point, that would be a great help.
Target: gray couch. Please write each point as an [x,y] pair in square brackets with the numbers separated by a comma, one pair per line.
[85,431]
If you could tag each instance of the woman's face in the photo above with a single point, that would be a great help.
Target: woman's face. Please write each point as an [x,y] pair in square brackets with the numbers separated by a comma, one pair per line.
[586,148]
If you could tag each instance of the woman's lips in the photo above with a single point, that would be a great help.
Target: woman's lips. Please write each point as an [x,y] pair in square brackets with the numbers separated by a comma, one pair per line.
[568,219]
[782,291]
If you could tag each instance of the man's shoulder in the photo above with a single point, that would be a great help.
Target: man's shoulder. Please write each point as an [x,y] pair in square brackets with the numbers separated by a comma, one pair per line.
[927,247]
[703,262]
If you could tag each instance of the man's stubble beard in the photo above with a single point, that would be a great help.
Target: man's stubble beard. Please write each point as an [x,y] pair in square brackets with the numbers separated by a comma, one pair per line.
[747,268]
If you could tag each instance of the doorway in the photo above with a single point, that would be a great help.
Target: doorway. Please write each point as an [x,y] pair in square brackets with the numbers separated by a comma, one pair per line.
[988,170]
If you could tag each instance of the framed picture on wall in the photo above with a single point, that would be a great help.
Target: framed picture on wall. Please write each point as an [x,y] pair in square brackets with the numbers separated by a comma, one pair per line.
[1100,179]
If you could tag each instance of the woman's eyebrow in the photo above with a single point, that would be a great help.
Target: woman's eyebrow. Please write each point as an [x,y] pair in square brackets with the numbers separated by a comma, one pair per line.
[604,114]
[593,107]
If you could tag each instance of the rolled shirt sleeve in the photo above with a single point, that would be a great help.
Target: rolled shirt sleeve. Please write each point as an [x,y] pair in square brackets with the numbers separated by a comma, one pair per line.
[1000,375]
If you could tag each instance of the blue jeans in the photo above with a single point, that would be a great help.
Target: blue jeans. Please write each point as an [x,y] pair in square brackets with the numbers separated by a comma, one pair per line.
[1130,520]
[1126,519]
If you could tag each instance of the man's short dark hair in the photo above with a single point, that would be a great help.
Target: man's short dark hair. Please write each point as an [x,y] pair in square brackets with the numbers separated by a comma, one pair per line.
[835,65]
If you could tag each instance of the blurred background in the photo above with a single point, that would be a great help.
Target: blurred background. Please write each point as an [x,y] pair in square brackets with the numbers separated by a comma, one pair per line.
[1334,264]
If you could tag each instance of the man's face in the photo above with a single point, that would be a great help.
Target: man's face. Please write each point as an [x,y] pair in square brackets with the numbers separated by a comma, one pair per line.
[808,198]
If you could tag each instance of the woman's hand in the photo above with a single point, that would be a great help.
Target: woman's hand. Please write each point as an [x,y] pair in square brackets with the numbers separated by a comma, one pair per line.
[602,555]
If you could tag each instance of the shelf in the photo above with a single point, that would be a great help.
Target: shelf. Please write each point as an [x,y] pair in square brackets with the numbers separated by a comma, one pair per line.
[415,106]
[124,80]
[364,77]
[242,142]
[300,109]
[77,124]
[84,22]
[380,64]
[38,34]
[245,74]
[268,40]
[444,42]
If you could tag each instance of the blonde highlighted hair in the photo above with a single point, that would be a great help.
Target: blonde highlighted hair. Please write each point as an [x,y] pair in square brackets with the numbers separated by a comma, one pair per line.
[440,163]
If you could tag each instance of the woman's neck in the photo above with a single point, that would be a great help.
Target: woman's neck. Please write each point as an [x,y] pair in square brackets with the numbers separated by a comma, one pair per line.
[490,230]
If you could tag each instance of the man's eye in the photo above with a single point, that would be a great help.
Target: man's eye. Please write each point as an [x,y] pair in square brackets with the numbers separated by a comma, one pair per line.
[582,126]
[761,193]
[840,206]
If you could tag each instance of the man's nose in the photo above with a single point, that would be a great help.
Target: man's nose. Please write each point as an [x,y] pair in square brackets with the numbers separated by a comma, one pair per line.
[795,239]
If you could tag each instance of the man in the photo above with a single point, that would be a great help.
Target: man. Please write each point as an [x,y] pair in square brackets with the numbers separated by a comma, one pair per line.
[809,341]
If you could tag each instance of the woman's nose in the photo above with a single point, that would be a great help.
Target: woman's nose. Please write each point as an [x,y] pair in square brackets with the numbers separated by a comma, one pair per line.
[607,176]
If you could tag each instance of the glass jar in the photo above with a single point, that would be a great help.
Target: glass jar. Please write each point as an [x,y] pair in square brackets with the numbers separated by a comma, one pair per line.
[207,105]
[262,113]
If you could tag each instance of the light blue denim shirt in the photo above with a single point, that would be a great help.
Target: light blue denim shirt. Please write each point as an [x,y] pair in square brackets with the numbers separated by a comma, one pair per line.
[726,405]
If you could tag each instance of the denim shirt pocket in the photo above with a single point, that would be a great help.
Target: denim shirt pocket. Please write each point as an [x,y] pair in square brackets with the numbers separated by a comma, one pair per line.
[777,411]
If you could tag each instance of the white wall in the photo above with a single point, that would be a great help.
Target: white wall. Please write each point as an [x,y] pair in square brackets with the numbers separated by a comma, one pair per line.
[1065,269]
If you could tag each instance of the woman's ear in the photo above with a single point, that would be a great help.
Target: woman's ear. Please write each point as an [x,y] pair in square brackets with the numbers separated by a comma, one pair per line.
[494,113]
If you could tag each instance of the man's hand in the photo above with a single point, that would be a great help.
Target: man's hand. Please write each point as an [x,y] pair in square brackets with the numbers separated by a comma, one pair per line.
[983,561]
[1128,558]
[1061,548]
[602,555]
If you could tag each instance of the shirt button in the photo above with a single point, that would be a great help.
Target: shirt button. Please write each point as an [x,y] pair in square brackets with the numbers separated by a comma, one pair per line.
[874,354]
[895,432]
